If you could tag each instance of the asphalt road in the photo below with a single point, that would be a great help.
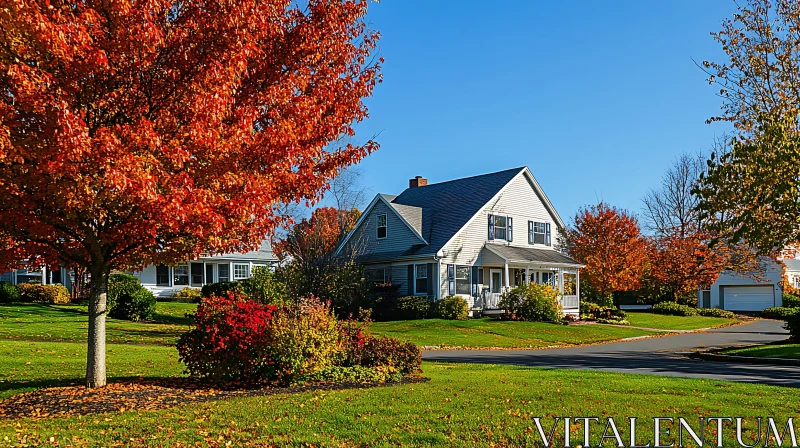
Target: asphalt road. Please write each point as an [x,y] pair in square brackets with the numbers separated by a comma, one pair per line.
[653,356]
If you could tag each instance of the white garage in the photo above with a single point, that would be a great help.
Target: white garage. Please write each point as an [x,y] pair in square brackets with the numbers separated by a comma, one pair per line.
[747,298]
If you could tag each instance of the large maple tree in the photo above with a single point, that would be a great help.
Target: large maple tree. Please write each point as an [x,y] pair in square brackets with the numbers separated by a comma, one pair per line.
[152,131]
[609,242]
[682,264]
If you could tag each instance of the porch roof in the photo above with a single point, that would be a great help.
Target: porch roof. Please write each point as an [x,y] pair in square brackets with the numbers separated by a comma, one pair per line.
[526,255]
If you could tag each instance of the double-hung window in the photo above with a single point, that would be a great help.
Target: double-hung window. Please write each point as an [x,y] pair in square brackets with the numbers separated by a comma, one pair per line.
[241,271]
[458,279]
[375,275]
[162,275]
[500,228]
[539,233]
[181,275]
[382,229]
[224,272]
[421,279]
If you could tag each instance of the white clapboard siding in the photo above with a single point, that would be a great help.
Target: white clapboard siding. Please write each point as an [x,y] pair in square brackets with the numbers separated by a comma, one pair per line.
[517,200]
[399,236]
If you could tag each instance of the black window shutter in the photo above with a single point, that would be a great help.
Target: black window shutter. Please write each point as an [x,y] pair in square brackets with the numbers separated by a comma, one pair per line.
[451,280]
[509,231]
[530,232]
[474,281]
[431,277]
[410,280]
[491,227]
[547,234]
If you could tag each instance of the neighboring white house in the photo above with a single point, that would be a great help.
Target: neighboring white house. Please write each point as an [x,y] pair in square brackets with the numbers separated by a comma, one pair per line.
[474,237]
[751,292]
[166,280]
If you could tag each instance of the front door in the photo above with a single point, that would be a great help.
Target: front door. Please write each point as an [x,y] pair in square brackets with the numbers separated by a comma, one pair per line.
[496,281]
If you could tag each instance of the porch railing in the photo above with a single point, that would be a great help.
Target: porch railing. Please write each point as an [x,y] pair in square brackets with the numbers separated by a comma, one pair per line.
[490,300]
[570,302]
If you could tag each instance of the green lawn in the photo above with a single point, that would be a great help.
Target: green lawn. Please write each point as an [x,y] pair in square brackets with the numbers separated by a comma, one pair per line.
[493,333]
[788,351]
[462,405]
[664,322]
[42,322]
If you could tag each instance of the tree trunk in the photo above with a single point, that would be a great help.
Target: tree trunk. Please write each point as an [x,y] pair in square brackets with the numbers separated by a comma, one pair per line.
[96,353]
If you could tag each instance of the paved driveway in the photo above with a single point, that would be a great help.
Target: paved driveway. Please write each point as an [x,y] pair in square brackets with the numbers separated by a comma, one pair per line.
[654,356]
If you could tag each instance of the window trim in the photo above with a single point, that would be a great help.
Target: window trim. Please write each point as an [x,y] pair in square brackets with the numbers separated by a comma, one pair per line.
[427,277]
[188,275]
[227,275]
[249,273]
[378,226]
[545,233]
[495,228]
[468,279]
[169,275]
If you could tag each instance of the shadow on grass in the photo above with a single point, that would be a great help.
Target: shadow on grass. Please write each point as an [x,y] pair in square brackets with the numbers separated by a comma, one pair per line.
[159,318]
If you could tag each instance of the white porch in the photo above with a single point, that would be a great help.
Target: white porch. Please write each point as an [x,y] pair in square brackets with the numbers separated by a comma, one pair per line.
[505,267]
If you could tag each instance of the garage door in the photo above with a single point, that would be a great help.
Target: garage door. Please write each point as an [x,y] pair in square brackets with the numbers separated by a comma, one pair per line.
[748,298]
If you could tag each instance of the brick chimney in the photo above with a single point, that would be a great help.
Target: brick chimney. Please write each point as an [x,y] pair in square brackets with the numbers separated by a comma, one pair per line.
[418,181]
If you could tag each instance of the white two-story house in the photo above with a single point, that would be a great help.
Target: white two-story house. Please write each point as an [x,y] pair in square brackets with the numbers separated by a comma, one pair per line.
[474,237]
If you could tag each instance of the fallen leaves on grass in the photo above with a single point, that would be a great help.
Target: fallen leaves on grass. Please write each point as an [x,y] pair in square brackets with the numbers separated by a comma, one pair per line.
[141,396]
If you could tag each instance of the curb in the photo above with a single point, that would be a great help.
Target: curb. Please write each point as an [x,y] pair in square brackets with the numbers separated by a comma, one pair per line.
[745,359]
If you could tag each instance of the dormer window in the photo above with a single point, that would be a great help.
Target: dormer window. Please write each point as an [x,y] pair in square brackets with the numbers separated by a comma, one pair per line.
[500,228]
[382,226]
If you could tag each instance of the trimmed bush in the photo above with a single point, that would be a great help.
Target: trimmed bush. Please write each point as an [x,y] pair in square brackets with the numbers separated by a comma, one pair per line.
[780,313]
[593,311]
[793,325]
[35,293]
[716,312]
[118,285]
[532,302]
[355,374]
[790,300]
[8,292]
[413,307]
[673,309]
[453,308]
[136,306]
[391,354]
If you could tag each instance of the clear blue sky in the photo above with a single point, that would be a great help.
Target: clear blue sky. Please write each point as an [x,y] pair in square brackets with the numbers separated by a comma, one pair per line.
[597,98]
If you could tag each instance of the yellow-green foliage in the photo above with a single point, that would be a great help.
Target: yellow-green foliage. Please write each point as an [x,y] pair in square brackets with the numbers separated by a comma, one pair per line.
[188,293]
[453,308]
[532,302]
[305,340]
[31,292]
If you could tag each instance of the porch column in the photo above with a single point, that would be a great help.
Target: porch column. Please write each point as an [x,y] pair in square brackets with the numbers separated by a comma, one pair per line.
[561,281]
[44,275]
[205,280]
[506,280]
[578,282]
[527,274]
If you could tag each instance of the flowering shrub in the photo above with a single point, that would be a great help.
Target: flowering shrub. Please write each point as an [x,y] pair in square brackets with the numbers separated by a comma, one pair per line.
[532,302]
[453,308]
[230,341]
[32,292]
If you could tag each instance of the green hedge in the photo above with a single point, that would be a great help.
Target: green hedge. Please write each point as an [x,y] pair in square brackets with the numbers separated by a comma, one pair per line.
[453,308]
[532,302]
[674,309]
[8,292]
[779,312]
[716,312]
[790,301]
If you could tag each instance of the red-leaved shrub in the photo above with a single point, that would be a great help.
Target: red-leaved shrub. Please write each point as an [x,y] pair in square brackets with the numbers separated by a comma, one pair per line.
[230,341]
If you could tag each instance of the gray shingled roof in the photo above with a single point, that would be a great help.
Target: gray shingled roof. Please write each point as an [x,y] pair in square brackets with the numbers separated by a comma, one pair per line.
[447,206]
[792,265]
[524,254]
[412,215]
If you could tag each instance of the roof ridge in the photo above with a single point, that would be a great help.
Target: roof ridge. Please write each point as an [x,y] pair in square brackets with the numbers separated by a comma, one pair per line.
[472,177]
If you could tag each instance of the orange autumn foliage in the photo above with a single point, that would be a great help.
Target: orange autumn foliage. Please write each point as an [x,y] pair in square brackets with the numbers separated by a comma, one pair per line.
[682,265]
[609,242]
[315,239]
[151,132]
